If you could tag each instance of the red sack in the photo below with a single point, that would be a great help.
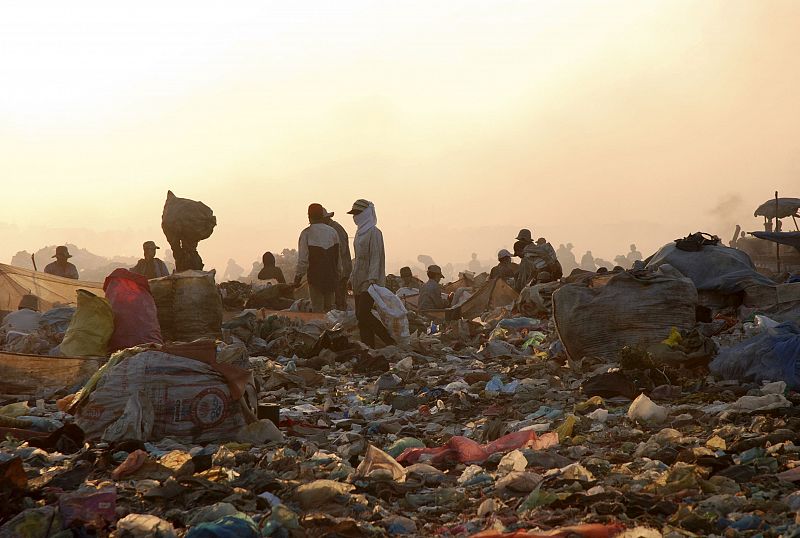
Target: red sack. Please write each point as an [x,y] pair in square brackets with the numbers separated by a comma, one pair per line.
[135,314]
[465,450]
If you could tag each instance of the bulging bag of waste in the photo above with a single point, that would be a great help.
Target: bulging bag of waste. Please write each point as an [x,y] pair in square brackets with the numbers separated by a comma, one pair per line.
[187,219]
[155,395]
[771,355]
[632,309]
[135,314]
[90,328]
[391,312]
[189,305]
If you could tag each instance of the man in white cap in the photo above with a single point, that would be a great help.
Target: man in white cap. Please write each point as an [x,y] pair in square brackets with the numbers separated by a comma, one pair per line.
[150,266]
[506,268]
[430,295]
[345,260]
[62,267]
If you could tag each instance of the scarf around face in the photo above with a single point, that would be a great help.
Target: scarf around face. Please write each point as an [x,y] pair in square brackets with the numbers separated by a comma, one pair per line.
[366,220]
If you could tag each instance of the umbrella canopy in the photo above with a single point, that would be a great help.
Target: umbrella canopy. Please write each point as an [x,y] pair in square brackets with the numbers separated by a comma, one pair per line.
[786,207]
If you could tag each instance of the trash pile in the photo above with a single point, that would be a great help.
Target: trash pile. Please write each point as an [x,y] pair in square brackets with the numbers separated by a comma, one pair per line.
[623,408]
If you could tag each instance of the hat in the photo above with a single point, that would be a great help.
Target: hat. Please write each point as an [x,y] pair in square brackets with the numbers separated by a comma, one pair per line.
[62,250]
[149,244]
[436,270]
[503,254]
[405,272]
[31,302]
[316,211]
[359,206]
[524,235]
[326,214]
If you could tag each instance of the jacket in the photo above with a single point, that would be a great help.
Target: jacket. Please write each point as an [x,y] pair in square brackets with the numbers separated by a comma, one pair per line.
[345,259]
[156,269]
[318,256]
[370,261]
[69,271]
[430,296]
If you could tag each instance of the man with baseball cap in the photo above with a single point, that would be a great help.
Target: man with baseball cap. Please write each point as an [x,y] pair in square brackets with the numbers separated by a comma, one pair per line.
[506,268]
[430,295]
[345,260]
[150,266]
[61,267]
[318,259]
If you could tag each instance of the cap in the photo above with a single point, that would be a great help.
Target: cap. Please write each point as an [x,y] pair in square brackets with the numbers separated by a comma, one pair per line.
[31,302]
[316,211]
[503,254]
[405,272]
[150,244]
[359,206]
[62,251]
[326,214]
[524,235]
[436,270]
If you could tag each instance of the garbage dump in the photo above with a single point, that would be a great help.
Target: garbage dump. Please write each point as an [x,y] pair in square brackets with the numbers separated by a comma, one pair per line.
[596,416]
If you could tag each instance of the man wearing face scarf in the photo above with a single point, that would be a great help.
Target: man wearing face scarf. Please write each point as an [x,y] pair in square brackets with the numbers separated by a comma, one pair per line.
[369,268]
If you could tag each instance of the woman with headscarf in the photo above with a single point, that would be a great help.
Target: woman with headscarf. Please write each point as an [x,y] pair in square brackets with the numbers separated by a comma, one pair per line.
[270,271]
[369,268]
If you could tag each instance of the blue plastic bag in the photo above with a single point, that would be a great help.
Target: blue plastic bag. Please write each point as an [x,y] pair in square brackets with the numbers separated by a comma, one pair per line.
[772,355]
[235,526]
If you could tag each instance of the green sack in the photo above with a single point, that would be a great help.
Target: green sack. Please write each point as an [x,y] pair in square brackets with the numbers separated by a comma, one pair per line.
[91,327]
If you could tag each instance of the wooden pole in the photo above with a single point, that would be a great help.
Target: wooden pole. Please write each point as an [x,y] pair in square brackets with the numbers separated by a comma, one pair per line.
[777,245]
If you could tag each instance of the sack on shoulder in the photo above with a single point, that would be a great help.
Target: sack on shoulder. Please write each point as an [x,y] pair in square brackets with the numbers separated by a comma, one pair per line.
[696,241]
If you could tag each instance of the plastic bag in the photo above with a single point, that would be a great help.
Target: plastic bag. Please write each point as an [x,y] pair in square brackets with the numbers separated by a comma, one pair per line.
[771,355]
[189,305]
[187,219]
[90,329]
[135,313]
[391,312]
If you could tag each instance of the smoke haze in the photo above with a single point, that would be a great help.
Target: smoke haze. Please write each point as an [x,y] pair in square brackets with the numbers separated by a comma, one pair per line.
[596,123]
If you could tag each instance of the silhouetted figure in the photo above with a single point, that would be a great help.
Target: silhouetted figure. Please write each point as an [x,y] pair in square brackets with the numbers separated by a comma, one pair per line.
[150,266]
[634,255]
[269,271]
[62,267]
[233,271]
[587,262]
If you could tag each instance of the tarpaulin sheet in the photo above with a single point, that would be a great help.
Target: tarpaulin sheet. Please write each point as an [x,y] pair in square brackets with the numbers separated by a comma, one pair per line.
[51,290]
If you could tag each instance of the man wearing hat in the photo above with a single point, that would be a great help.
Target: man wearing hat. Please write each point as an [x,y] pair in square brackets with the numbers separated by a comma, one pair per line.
[524,238]
[345,260]
[408,280]
[318,259]
[506,268]
[150,266]
[61,267]
[430,295]
[26,319]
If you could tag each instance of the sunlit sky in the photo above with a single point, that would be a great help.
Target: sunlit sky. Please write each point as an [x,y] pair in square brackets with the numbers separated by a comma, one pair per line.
[598,123]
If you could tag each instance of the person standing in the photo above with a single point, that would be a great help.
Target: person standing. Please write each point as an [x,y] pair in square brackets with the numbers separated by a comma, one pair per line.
[150,266]
[588,262]
[369,268]
[62,267]
[345,260]
[634,255]
[318,259]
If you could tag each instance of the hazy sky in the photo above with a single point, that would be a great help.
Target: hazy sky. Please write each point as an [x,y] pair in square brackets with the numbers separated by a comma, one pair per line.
[600,123]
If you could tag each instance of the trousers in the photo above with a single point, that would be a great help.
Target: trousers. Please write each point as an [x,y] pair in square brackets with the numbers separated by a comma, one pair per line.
[368,325]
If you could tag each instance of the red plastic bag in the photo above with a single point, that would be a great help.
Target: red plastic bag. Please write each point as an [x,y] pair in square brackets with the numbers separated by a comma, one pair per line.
[585,530]
[466,450]
[135,314]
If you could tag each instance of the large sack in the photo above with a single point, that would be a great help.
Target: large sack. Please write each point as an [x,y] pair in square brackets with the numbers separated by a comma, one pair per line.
[90,328]
[631,309]
[186,219]
[391,312]
[135,314]
[189,305]
[772,355]
[713,268]
[153,395]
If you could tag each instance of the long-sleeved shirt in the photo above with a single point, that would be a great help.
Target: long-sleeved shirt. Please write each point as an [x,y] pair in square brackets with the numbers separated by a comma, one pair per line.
[370,261]
[504,270]
[67,271]
[154,268]
[345,259]
[430,296]
[318,256]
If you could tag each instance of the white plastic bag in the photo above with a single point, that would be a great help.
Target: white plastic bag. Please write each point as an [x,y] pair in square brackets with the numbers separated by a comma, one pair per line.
[391,312]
